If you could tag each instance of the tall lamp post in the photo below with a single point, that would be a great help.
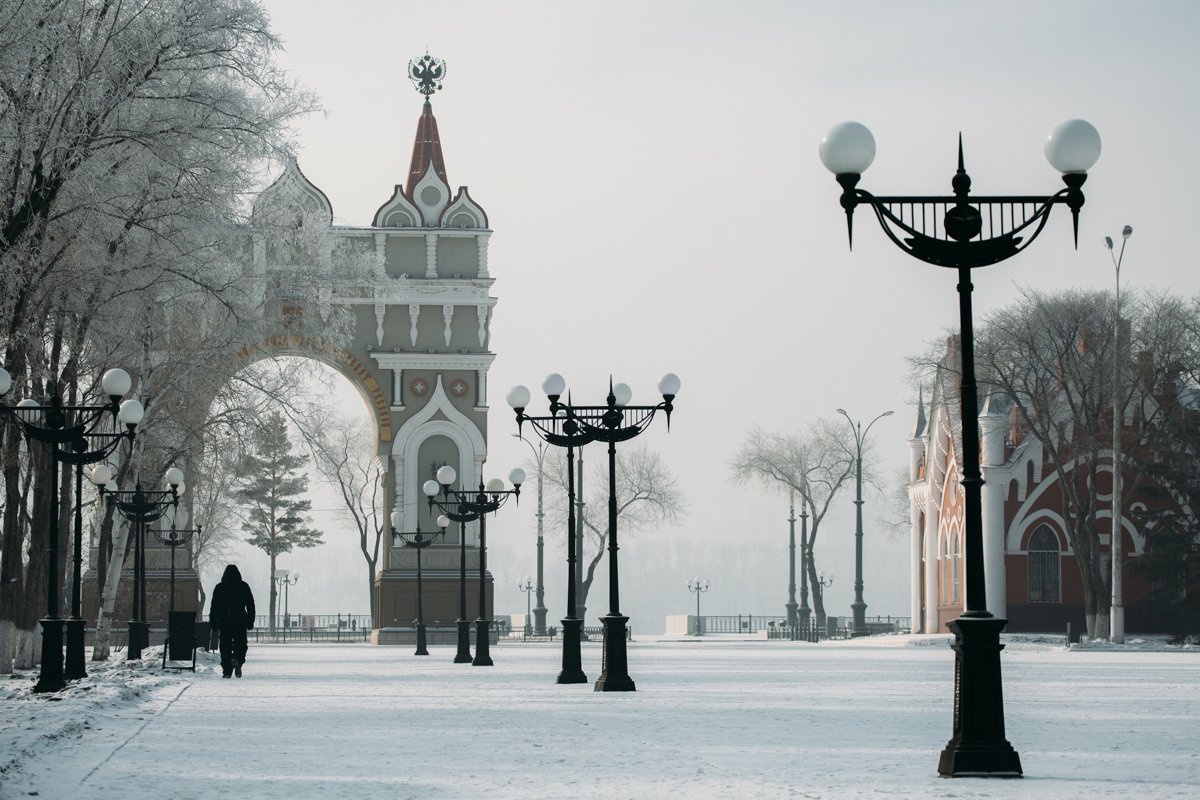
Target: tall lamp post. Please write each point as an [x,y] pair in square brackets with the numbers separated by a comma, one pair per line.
[791,603]
[1116,620]
[65,431]
[539,611]
[698,588]
[418,541]
[962,233]
[805,611]
[618,421]
[859,608]
[561,429]
[175,537]
[285,579]
[527,589]
[140,508]
[465,506]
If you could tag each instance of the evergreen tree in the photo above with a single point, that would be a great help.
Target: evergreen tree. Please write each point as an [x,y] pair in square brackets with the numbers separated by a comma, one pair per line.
[270,490]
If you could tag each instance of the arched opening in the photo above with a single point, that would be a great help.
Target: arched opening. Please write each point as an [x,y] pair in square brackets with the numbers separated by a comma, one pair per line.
[1045,556]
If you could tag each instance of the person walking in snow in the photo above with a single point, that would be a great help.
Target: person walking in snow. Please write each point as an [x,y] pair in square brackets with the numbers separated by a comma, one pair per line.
[232,614]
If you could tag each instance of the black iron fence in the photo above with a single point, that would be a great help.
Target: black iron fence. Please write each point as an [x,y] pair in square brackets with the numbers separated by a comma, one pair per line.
[777,626]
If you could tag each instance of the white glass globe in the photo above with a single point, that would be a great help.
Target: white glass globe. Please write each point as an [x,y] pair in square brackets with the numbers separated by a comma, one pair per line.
[623,394]
[848,147]
[131,412]
[174,476]
[198,520]
[517,476]
[495,485]
[25,410]
[396,519]
[554,384]
[443,521]
[1073,146]
[5,381]
[518,397]
[101,474]
[116,382]
[446,475]
[431,488]
[668,384]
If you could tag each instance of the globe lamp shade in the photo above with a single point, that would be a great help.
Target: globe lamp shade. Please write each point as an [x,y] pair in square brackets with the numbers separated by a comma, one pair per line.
[1072,146]
[554,385]
[116,382]
[518,397]
[848,147]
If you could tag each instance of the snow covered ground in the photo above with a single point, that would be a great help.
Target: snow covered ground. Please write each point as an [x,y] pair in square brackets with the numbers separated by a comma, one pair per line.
[711,718]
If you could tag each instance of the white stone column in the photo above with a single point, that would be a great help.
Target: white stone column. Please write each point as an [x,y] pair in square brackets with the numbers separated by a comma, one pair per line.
[483,255]
[481,388]
[933,512]
[991,445]
[431,255]
[916,534]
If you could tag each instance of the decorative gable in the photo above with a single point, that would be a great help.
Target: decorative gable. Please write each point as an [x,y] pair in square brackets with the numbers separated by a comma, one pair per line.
[292,191]
[397,212]
[464,212]
[430,195]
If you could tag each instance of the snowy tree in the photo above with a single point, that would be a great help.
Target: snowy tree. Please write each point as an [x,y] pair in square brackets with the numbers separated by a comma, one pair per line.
[269,489]
[813,464]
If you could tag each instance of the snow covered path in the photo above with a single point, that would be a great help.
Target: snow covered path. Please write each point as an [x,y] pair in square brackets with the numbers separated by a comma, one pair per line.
[710,719]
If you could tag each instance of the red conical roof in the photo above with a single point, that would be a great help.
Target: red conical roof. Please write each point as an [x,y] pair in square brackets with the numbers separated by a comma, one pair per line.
[427,149]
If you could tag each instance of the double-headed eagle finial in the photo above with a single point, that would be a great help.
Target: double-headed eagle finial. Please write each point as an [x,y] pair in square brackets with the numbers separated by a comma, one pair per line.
[427,73]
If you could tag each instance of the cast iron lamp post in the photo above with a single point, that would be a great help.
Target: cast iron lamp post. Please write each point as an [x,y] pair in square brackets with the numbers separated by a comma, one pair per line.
[791,603]
[140,508]
[467,506]
[285,579]
[539,611]
[964,233]
[698,589]
[418,541]
[560,429]
[805,611]
[1116,619]
[859,608]
[65,430]
[616,421]
[527,589]
[175,537]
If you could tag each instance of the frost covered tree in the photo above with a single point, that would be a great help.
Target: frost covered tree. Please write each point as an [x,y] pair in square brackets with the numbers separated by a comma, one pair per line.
[269,490]
[813,464]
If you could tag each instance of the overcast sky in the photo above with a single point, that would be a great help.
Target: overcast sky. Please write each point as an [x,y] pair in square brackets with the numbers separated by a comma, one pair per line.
[650,171]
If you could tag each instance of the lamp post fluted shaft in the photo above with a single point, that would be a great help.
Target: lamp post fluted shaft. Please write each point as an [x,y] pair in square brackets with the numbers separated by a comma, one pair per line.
[539,611]
[964,232]
[791,603]
[1116,618]
[805,611]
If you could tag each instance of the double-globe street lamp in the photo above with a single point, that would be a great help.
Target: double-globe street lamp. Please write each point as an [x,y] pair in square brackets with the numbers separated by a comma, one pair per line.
[615,421]
[1116,619]
[284,580]
[698,588]
[858,608]
[174,537]
[468,506]
[66,431]
[963,233]
[418,541]
[560,429]
[140,508]
[539,611]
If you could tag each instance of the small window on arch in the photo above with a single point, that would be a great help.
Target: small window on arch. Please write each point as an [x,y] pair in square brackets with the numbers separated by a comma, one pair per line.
[398,219]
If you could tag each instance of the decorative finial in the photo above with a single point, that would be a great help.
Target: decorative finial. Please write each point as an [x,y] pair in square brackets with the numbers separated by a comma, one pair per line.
[427,73]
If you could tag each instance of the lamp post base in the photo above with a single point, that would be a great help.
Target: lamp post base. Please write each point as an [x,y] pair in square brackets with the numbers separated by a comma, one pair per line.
[539,620]
[978,748]
[572,659]
[791,614]
[76,630]
[139,637]
[614,675]
[483,657]
[463,656]
[858,613]
[51,677]
[421,649]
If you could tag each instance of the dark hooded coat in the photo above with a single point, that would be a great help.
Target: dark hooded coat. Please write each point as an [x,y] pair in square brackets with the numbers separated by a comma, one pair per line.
[232,605]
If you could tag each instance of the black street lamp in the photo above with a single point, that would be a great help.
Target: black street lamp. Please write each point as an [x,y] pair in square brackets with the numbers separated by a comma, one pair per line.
[790,605]
[963,233]
[285,580]
[805,611]
[539,611]
[140,508]
[418,541]
[616,421]
[527,589]
[560,429]
[467,506]
[175,537]
[698,588]
[859,608]
[65,430]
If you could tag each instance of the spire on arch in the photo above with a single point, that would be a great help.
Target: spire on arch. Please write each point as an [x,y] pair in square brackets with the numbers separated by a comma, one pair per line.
[426,73]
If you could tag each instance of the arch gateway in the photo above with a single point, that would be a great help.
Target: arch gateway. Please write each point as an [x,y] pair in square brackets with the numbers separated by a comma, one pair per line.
[404,313]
